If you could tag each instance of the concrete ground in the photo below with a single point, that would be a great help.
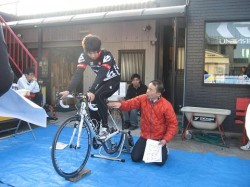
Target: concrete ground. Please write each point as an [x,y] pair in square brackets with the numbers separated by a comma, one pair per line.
[233,141]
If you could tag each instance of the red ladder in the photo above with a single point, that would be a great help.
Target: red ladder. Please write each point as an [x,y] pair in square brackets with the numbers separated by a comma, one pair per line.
[19,55]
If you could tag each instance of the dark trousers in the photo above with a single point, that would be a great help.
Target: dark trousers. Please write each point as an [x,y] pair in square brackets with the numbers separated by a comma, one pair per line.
[38,98]
[139,148]
[107,89]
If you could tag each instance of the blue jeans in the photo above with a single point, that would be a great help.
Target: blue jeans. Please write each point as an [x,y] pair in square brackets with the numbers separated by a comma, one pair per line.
[132,117]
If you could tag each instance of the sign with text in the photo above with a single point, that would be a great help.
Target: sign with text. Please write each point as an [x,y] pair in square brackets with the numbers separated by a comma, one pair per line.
[204,119]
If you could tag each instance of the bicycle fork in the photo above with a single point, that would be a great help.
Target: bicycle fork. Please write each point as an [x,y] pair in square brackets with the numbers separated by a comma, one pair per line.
[79,127]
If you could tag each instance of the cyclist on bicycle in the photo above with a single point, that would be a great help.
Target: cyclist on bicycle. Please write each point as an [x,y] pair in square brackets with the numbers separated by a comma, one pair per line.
[107,79]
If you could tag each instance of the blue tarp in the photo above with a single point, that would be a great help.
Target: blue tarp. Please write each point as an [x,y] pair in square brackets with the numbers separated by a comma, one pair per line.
[26,162]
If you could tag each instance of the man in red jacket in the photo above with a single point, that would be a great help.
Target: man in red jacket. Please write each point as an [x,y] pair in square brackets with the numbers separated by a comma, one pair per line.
[158,119]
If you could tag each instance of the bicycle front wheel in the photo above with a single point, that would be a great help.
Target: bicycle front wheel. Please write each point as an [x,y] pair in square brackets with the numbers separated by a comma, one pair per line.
[70,154]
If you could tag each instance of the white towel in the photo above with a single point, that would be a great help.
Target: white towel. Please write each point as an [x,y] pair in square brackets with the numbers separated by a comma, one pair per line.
[16,106]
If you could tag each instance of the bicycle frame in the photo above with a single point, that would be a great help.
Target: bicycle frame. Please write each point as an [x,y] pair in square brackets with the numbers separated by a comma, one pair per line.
[113,144]
[84,116]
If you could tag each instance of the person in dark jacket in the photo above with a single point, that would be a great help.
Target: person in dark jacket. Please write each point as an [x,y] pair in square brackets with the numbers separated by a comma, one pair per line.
[6,73]
[107,79]
[136,88]
[158,119]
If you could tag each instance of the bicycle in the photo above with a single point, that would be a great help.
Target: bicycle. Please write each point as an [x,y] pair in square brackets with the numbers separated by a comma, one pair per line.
[72,142]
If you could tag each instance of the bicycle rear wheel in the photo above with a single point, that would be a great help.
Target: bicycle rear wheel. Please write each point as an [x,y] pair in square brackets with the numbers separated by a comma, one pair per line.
[115,118]
[115,121]
[69,159]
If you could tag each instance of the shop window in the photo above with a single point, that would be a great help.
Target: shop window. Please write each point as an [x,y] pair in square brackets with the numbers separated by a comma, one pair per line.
[130,62]
[227,52]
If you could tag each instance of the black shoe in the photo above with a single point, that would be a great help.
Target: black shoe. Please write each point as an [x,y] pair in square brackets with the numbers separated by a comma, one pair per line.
[130,140]
[133,127]
[95,144]
[126,125]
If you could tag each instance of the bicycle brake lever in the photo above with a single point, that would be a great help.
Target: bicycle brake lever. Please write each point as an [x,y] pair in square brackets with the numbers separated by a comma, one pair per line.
[69,96]
[61,101]
[63,105]
[92,107]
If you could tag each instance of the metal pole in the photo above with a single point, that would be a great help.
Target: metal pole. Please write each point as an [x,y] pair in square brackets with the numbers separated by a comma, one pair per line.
[175,20]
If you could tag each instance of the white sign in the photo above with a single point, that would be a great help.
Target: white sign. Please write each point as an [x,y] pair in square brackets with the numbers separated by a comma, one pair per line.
[153,152]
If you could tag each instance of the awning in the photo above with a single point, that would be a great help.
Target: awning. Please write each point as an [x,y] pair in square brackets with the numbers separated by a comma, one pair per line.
[124,15]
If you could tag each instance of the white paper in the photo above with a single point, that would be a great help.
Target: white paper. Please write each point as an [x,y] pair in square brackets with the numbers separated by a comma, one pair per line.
[60,145]
[153,151]
[16,106]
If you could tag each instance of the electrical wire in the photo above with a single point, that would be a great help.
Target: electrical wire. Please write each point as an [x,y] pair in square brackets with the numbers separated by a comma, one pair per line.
[210,138]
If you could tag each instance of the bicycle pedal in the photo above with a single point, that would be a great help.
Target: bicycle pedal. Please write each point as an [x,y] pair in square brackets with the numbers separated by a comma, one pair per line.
[95,144]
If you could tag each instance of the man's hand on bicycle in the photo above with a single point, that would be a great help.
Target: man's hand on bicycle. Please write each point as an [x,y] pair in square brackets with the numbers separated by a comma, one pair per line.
[91,96]
[64,94]
[114,104]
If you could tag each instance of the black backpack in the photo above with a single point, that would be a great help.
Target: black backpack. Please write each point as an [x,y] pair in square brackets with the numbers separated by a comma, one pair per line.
[51,112]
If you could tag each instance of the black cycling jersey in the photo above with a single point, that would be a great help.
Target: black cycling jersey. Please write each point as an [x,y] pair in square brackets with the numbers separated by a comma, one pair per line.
[104,67]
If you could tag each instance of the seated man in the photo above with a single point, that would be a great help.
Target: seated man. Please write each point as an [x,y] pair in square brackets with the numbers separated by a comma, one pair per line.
[136,88]
[28,82]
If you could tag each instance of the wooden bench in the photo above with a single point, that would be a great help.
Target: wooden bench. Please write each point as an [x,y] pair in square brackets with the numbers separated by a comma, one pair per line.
[5,120]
